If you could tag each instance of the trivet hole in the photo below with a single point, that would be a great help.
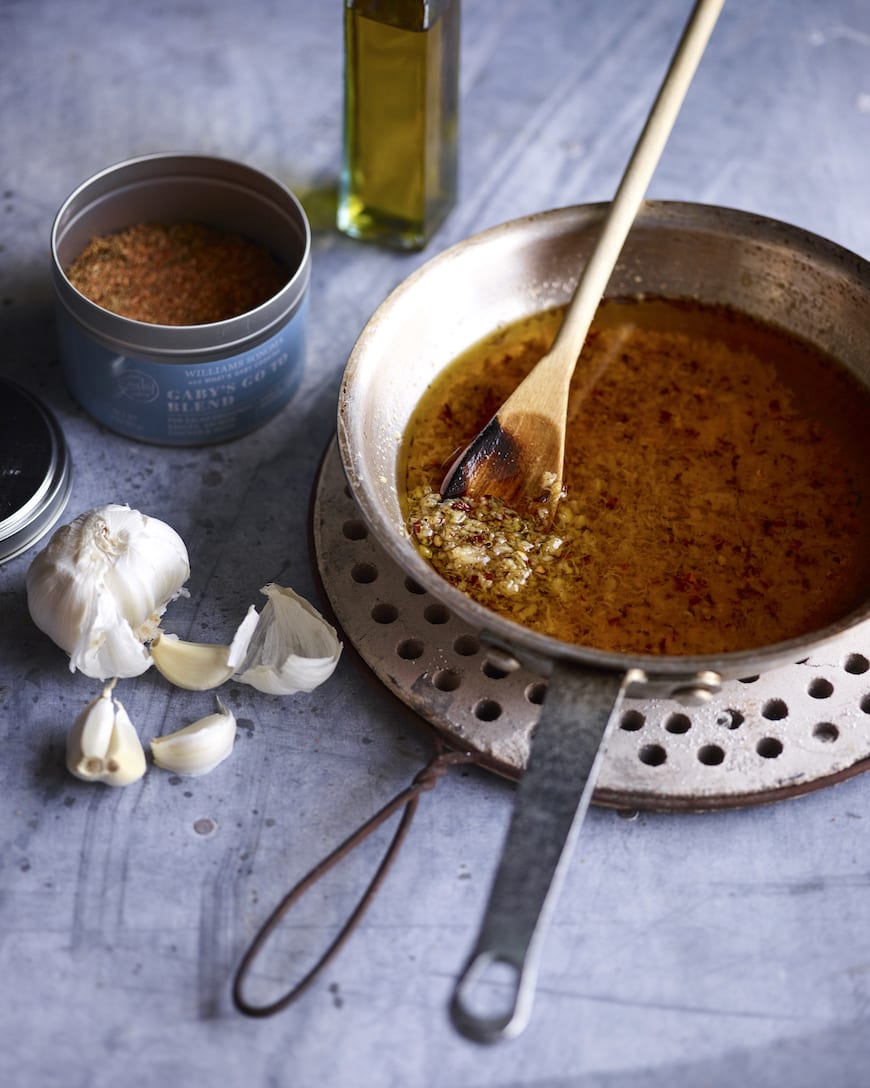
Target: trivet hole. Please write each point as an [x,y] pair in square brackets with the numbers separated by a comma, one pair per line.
[487,710]
[775,710]
[536,693]
[653,755]
[632,721]
[678,723]
[436,614]
[409,649]
[355,529]
[769,748]
[446,680]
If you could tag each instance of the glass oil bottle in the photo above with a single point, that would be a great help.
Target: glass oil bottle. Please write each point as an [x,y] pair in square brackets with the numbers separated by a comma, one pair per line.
[398,177]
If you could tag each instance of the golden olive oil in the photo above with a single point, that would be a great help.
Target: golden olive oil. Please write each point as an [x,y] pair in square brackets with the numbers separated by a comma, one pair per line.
[400,119]
[717,498]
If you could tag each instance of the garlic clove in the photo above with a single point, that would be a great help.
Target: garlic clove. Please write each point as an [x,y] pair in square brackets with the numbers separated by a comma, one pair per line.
[197,748]
[125,757]
[292,649]
[88,740]
[199,666]
[103,745]
[107,646]
[196,666]
[100,586]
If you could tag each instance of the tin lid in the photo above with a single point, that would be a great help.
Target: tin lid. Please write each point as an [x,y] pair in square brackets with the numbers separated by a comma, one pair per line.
[34,470]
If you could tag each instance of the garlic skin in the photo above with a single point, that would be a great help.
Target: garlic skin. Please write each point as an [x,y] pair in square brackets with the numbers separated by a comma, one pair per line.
[199,666]
[197,748]
[100,586]
[292,648]
[103,745]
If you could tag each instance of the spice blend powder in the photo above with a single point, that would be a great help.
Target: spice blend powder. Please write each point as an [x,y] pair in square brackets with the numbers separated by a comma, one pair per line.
[176,274]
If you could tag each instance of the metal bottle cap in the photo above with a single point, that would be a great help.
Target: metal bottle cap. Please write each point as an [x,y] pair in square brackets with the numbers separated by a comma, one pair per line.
[34,470]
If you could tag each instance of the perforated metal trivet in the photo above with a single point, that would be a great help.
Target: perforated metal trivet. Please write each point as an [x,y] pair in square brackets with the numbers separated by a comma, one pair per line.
[792,730]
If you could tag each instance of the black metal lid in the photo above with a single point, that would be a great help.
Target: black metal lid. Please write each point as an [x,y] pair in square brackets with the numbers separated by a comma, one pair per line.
[35,470]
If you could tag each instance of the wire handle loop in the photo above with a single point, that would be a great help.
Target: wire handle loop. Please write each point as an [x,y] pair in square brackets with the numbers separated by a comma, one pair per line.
[426,779]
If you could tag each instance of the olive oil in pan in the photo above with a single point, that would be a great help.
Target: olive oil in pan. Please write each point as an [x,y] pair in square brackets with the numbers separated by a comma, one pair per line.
[401,102]
[716,473]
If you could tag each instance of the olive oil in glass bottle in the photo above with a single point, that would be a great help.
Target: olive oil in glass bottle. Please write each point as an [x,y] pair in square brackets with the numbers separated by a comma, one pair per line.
[401,92]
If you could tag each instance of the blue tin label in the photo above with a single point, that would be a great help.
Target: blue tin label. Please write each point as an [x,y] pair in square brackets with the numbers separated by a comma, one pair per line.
[178,403]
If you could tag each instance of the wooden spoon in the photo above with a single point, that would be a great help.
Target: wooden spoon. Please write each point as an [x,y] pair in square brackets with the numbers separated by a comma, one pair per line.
[519,455]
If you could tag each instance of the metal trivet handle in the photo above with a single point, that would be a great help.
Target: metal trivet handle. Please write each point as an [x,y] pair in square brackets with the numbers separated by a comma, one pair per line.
[426,779]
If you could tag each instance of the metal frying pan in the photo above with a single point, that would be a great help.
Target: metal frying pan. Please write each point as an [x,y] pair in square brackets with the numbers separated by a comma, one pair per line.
[771,271]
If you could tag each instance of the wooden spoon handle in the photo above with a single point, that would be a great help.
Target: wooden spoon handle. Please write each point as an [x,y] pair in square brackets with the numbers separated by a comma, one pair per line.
[636,178]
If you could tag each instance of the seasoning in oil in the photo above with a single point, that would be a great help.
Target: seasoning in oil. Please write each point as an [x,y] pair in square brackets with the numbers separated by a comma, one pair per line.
[176,274]
[400,119]
[717,493]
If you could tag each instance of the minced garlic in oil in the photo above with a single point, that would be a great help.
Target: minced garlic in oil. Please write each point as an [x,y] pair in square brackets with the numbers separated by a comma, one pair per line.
[716,495]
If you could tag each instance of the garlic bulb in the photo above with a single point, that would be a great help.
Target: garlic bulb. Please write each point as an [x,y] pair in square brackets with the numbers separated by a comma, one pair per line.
[103,745]
[101,585]
[197,748]
[292,648]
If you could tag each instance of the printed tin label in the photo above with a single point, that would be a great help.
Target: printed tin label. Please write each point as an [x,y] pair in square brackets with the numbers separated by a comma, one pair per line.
[179,403]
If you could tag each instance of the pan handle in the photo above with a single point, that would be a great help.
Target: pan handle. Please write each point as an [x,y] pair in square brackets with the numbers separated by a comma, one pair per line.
[553,795]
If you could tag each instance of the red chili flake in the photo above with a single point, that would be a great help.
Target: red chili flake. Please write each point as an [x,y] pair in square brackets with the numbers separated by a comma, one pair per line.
[688,581]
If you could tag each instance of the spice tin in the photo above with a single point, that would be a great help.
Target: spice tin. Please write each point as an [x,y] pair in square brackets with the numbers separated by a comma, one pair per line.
[183,385]
[34,470]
